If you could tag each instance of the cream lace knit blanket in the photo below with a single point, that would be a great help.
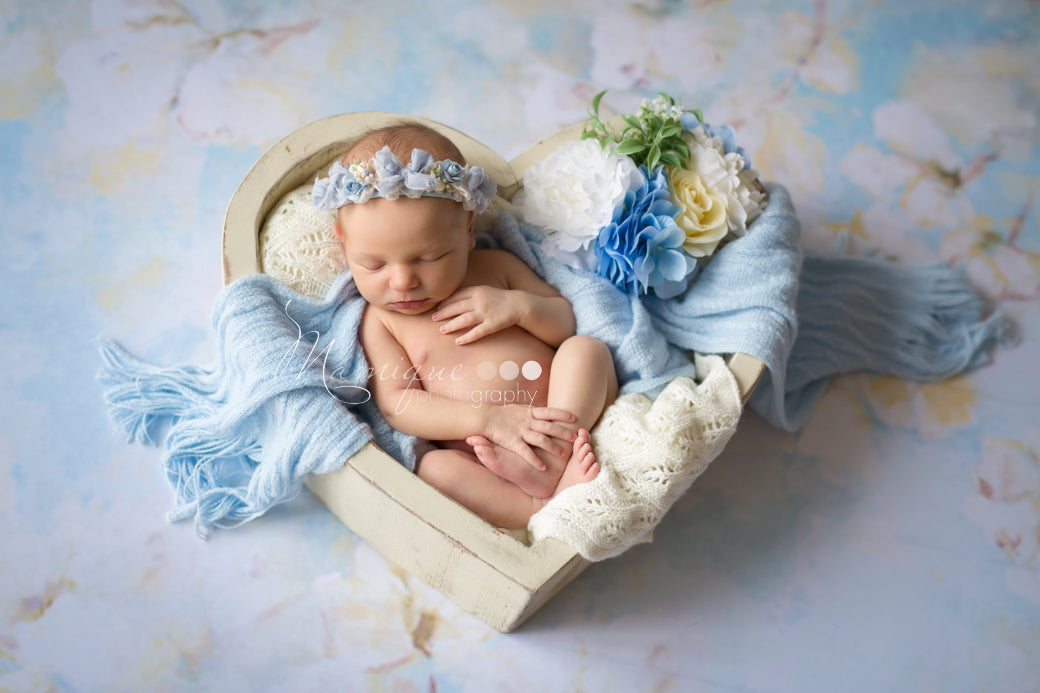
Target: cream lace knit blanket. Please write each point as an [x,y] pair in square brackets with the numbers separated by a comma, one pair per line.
[650,452]
[297,245]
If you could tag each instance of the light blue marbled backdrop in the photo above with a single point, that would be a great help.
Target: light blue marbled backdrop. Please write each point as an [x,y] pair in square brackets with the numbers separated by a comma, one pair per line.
[892,544]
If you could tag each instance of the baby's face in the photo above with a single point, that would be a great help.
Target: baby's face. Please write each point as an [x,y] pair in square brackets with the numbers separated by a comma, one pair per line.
[406,255]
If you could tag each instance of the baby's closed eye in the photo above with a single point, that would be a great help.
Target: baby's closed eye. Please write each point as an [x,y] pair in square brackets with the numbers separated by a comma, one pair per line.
[434,257]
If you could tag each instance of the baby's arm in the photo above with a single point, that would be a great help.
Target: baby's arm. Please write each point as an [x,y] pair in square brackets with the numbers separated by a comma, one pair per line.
[407,407]
[527,302]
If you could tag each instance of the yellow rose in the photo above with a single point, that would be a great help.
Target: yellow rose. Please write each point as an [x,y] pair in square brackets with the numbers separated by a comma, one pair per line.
[701,215]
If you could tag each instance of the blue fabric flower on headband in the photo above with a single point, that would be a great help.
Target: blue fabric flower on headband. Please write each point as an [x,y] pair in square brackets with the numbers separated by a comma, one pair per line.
[452,172]
[345,185]
[478,185]
[385,176]
[417,178]
[389,178]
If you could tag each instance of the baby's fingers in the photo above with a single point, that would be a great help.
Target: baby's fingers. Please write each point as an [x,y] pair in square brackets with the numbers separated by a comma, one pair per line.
[552,414]
[528,455]
[479,332]
[475,328]
[449,308]
[459,322]
[555,430]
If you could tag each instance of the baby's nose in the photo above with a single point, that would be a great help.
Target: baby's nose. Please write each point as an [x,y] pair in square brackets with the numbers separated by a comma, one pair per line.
[403,278]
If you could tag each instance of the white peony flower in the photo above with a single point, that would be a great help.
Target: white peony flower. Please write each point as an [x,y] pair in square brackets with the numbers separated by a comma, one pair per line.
[699,138]
[573,192]
[725,177]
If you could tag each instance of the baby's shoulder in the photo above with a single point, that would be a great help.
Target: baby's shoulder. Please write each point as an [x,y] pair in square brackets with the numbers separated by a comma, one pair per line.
[494,256]
[377,325]
[499,262]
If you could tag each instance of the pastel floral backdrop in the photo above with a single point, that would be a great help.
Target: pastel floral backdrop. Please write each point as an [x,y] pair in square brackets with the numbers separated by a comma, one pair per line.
[891,544]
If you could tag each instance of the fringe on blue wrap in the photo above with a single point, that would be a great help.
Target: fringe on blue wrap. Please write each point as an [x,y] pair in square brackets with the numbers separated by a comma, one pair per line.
[285,398]
[286,395]
[919,322]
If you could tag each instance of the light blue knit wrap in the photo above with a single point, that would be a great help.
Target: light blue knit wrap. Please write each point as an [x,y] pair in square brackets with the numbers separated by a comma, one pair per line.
[285,396]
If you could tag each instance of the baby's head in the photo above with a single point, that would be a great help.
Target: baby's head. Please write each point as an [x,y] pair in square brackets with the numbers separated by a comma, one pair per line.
[402,139]
[405,220]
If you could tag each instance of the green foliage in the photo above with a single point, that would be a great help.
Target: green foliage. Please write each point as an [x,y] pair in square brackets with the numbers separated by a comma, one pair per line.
[651,138]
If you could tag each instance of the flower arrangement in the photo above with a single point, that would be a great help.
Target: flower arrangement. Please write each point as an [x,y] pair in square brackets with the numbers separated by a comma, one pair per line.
[647,206]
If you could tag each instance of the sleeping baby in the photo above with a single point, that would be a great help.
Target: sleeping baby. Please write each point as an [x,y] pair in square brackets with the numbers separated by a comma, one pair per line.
[469,349]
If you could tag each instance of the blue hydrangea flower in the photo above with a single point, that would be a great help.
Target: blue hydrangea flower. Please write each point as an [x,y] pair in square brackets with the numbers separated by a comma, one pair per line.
[666,268]
[640,250]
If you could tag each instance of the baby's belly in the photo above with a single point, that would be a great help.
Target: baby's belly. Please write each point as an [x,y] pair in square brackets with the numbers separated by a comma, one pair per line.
[508,367]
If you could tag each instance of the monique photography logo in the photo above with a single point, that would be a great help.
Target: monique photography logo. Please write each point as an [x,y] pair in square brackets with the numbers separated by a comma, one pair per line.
[504,381]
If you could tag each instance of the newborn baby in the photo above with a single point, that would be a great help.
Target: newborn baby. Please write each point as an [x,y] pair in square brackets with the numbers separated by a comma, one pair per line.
[468,348]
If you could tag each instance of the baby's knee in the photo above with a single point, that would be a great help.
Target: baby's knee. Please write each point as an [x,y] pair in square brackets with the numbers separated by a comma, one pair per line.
[590,355]
[586,348]
[439,468]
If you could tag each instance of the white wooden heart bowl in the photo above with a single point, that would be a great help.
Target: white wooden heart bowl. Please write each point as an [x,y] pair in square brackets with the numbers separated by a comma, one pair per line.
[483,569]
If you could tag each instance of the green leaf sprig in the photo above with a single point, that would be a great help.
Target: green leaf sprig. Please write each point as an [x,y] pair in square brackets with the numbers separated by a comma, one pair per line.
[652,137]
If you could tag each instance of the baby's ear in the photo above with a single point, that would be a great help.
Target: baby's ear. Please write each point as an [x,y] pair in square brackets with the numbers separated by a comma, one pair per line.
[337,230]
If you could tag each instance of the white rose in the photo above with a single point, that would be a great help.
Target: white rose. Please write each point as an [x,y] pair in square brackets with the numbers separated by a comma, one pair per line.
[702,215]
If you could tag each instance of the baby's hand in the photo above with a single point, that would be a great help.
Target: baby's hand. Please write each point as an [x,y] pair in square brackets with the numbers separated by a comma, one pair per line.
[480,310]
[517,427]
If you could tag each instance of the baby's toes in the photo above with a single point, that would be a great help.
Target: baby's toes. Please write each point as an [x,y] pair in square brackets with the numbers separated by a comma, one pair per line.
[583,453]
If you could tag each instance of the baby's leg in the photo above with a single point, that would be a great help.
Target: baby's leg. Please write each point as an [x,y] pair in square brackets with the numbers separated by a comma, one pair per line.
[582,381]
[503,504]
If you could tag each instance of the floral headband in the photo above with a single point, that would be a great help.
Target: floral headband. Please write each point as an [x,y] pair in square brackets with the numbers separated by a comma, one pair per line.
[385,176]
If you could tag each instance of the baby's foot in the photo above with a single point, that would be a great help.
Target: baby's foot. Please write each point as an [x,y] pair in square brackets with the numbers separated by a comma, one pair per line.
[510,466]
[582,466]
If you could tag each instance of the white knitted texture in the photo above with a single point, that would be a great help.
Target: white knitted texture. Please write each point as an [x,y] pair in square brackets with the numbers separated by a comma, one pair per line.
[649,452]
[298,246]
